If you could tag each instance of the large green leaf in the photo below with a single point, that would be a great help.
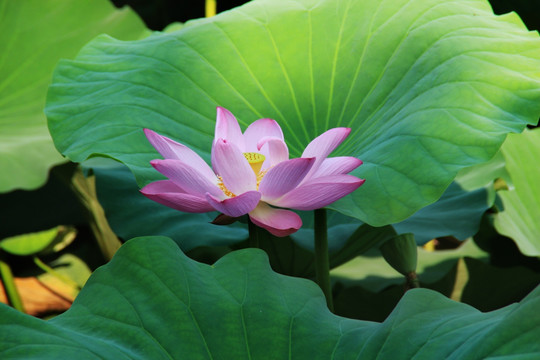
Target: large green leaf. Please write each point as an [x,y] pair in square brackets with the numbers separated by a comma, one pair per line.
[152,302]
[520,219]
[428,87]
[34,35]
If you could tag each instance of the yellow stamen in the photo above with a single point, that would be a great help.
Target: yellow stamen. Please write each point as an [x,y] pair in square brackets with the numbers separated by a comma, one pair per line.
[260,176]
[223,188]
[255,160]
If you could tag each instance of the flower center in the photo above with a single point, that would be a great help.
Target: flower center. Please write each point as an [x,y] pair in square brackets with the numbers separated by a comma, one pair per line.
[255,160]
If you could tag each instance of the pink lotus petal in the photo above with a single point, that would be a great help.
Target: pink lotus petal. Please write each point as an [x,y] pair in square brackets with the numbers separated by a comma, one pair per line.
[319,192]
[187,178]
[215,165]
[162,186]
[167,193]
[278,222]
[284,177]
[259,129]
[170,149]
[323,145]
[237,174]
[235,206]
[274,149]
[337,165]
[227,128]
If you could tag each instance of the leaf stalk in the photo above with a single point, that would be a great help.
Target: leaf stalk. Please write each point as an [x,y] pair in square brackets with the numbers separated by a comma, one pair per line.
[322,267]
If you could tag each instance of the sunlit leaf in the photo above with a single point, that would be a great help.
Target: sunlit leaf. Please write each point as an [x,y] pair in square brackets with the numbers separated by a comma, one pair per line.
[33,243]
[481,175]
[34,35]
[520,219]
[428,87]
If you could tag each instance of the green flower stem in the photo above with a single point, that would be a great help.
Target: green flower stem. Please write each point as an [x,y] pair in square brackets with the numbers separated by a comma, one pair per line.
[322,268]
[253,240]
[13,297]
[412,281]
[66,280]
[210,8]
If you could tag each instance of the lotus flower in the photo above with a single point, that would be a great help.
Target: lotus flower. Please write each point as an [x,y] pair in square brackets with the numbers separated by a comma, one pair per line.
[251,173]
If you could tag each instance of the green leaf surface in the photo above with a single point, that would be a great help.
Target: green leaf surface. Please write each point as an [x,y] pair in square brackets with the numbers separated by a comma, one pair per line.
[428,87]
[484,174]
[457,213]
[172,27]
[520,219]
[152,302]
[33,243]
[34,35]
